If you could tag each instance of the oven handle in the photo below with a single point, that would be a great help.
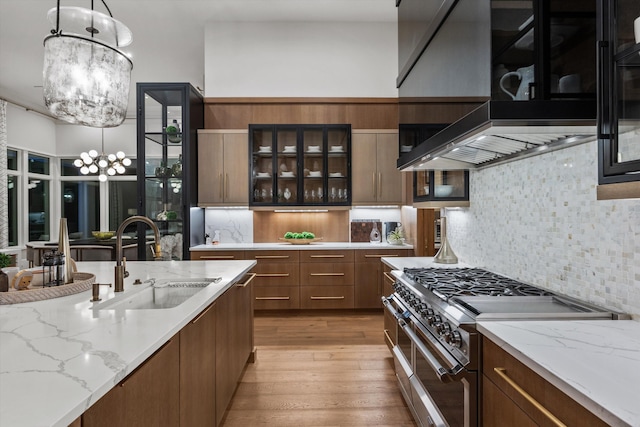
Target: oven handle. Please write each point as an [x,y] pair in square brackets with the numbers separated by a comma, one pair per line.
[387,304]
[441,371]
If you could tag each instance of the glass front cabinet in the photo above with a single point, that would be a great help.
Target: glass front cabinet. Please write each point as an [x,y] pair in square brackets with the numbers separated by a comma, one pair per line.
[300,165]
[441,186]
[169,115]
[619,94]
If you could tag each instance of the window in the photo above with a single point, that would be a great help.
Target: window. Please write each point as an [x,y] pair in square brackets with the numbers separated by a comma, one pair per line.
[123,198]
[12,160]
[38,164]
[12,207]
[81,207]
[39,209]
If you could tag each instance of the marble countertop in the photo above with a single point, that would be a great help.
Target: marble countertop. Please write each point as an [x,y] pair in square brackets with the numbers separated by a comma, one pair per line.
[400,263]
[58,357]
[288,246]
[596,362]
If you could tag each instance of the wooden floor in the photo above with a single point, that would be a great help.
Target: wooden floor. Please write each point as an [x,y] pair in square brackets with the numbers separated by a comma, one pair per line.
[319,369]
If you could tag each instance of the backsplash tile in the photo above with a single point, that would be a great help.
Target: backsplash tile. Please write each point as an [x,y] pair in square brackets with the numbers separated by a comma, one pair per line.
[538,220]
[235,225]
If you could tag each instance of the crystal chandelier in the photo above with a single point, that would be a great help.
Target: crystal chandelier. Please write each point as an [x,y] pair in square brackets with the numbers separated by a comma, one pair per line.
[107,165]
[86,77]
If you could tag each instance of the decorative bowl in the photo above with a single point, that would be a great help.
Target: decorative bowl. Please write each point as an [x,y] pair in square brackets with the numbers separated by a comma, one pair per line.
[103,235]
[443,190]
[300,241]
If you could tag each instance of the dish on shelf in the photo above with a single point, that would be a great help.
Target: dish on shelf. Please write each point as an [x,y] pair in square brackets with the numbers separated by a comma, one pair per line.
[315,174]
[263,175]
[337,148]
[313,149]
[264,149]
[443,190]
[406,148]
[289,149]
[285,174]
[300,241]
[336,175]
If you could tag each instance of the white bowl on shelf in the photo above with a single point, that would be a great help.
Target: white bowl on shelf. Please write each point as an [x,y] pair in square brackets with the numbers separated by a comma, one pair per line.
[313,149]
[264,149]
[285,174]
[315,174]
[263,174]
[335,175]
[289,148]
[443,190]
[336,148]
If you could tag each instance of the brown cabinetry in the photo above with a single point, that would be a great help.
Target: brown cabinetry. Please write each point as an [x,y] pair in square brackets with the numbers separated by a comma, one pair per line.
[369,278]
[375,177]
[150,395]
[223,171]
[513,394]
[326,279]
[276,286]
[217,255]
[198,370]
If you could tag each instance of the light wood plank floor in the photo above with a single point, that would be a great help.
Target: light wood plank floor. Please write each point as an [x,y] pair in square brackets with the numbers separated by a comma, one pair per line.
[319,369]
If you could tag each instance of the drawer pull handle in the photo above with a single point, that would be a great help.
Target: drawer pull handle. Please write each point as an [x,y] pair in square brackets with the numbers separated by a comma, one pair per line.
[389,277]
[326,274]
[388,338]
[246,282]
[272,256]
[272,298]
[272,274]
[326,256]
[379,256]
[194,321]
[327,298]
[218,257]
[502,373]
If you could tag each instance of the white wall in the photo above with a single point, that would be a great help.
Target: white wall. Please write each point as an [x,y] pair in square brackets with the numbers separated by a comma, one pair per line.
[71,140]
[538,220]
[308,59]
[29,130]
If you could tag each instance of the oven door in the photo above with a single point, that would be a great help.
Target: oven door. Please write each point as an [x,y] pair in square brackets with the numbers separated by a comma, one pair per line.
[443,393]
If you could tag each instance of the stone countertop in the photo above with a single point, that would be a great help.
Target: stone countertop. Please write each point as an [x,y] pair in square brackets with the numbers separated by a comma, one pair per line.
[58,357]
[595,362]
[400,263]
[320,245]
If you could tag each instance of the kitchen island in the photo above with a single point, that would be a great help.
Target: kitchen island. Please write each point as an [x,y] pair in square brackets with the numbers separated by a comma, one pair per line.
[283,246]
[58,357]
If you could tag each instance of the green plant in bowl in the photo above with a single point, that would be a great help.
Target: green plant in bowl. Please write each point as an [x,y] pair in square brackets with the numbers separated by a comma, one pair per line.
[5,260]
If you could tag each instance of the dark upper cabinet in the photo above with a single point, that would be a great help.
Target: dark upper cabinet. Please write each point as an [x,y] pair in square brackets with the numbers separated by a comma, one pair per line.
[619,94]
[299,165]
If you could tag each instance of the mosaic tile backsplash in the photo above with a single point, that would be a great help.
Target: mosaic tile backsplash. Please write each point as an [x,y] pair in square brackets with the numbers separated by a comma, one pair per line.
[538,220]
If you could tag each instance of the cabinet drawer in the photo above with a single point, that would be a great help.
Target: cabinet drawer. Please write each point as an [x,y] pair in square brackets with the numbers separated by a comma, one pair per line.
[319,297]
[273,256]
[326,256]
[326,273]
[373,255]
[217,255]
[276,297]
[276,274]
[498,366]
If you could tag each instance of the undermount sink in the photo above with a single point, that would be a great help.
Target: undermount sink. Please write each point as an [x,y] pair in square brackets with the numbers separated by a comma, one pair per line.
[158,294]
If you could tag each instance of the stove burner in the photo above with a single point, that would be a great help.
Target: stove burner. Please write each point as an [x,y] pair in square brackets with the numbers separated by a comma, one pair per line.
[450,282]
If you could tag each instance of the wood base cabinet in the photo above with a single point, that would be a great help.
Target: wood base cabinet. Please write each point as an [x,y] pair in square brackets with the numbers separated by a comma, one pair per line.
[150,395]
[369,277]
[514,395]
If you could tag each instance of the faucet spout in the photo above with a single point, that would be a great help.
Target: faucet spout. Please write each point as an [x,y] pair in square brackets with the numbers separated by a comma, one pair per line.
[120,270]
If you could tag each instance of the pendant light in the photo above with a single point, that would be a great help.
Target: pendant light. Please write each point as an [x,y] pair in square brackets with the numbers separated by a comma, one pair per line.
[105,165]
[86,77]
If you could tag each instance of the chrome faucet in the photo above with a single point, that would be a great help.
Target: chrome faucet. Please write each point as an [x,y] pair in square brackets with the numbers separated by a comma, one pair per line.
[121,261]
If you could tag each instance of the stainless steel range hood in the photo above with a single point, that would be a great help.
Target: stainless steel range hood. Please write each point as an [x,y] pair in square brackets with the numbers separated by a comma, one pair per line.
[503,131]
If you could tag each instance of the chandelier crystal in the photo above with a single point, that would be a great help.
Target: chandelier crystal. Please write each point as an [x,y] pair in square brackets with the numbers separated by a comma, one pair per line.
[86,78]
[106,165]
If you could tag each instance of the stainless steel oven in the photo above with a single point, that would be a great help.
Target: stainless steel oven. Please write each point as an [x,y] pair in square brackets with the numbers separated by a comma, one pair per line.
[439,390]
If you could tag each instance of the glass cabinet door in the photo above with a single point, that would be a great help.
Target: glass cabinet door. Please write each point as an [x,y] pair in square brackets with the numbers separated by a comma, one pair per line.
[299,165]
[441,185]
[619,117]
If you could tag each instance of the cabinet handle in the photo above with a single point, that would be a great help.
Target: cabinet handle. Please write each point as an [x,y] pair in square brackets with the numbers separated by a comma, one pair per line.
[221,185]
[389,277]
[502,372]
[122,384]
[246,282]
[379,184]
[272,274]
[326,274]
[388,337]
[206,310]
[326,256]
[218,257]
[272,298]
[271,257]
[373,184]
[326,298]
[226,186]
[379,256]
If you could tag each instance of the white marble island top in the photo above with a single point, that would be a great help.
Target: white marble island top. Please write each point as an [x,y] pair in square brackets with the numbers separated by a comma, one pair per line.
[58,357]
[596,362]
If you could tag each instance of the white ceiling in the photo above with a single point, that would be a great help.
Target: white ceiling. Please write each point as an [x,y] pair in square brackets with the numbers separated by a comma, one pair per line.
[168,35]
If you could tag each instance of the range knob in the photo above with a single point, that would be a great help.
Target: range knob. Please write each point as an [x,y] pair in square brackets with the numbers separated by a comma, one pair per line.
[444,328]
[434,320]
[454,338]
